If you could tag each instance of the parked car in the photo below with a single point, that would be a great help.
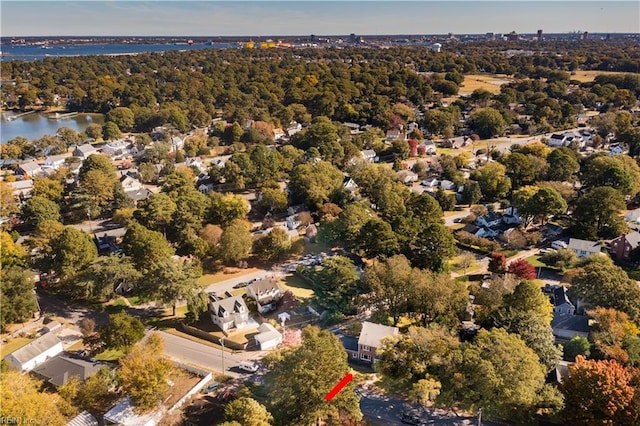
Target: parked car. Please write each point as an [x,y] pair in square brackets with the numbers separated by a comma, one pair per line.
[410,418]
[241,285]
[249,366]
[213,386]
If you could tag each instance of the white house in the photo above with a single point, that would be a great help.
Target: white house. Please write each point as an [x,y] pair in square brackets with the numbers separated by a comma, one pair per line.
[584,248]
[278,134]
[30,169]
[394,135]
[268,337]
[369,155]
[22,188]
[488,220]
[561,302]
[511,216]
[130,183]
[349,184]
[35,353]
[176,143]
[293,128]
[116,149]
[429,147]
[228,313]
[124,414]
[266,293]
[292,222]
[84,150]
[55,161]
[447,184]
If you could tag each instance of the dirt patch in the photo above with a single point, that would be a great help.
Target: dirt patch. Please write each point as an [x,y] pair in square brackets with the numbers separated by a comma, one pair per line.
[182,381]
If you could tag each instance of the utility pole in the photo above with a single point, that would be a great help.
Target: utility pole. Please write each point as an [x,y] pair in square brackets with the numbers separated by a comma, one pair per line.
[222,343]
[480,416]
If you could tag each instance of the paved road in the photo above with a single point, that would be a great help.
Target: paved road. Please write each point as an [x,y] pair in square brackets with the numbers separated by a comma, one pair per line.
[210,358]
[382,409]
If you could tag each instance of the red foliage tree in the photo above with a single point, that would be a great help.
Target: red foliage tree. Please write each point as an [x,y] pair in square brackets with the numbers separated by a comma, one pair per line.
[522,269]
[600,393]
[497,263]
[421,150]
[413,147]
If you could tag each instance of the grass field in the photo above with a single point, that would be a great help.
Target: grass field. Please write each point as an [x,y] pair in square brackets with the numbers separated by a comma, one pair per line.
[110,355]
[208,279]
[489,82]
[299,287]
[588,76]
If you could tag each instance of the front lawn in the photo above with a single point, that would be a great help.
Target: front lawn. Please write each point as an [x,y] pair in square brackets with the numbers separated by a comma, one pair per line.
[226,274]
[110,355]
[13,345]
[298,286]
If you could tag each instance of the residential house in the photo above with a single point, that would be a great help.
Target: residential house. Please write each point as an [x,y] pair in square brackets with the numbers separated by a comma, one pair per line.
[511,216]
[432,183]
[85,418]
[616,149]
[117,149]
[228,313]
[447,185]
[129,183]
[31,169]
[124,414]
[54,162]
[310,233]
[394,135]
[268,337]
[138,194]
[566,326]
[550,230]
[429,147]
[412,126]
[561,303]
[59,370]
[278,134]
[370,340]
[489,220]
[633,216]
[292,222]
[298,208]
[35,353]
[293,128]
[85,150]
[349,184]
[369,155]
[621,247]
[266,292]
[584,248]
[354,128]
[407,177]
[22,189]
[557,140]
[177,143]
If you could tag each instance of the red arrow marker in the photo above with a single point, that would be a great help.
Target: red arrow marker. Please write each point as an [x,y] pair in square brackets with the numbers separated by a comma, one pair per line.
[337,388]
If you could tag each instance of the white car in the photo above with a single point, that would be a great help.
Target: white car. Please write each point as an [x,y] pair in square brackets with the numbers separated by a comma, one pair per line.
[249,366]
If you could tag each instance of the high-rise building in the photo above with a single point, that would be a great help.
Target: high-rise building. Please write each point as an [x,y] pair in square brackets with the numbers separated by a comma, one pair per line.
[539,35]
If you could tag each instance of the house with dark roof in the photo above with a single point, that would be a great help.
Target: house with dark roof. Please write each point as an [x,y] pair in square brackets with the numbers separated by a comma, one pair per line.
[35,353]
[584,248]
[266,292]
[561,303]
[369,341]
[567,326]
[621,247]
[59,370]
[228,313]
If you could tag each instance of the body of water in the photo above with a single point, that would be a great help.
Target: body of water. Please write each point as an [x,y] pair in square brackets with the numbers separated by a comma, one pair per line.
[31,53]
[36,125]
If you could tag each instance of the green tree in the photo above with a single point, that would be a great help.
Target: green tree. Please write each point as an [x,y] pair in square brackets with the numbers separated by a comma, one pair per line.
[497,372]
[122,331]
[471,193]
[351,220]
[169,281]
[99,279]
[143,374]
[72,251]
[563,166]
[122,117]
[8,203]
[247,412]
[273,199]
[155,212]
[94,131]
[493,181]
[145,247]
[111,131]
[335,283]
[225,208]
[17,295]
[601,283]
[488,122]
[447,201]
[391,285]
[48,188]
[377,239]
[597,213]
[432,248]
[12,253]
[38,209]
[235,242]
[42,241]
[296,403]
[322,134]
[576,346]
[314,183]
[274,245]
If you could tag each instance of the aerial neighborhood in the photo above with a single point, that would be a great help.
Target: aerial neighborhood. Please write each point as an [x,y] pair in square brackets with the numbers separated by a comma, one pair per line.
[237,230]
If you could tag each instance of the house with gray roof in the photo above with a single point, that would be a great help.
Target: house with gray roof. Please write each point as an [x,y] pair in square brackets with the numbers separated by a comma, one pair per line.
[622,246]
[59,370]
[567,326]
[35,353]
[228,313]
[584,248]
[266,292]
[85,150]
[561,302]
[370,340]
[30,169]
[268,337]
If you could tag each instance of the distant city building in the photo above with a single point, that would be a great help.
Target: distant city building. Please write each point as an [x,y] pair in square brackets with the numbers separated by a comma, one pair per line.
[539,35]
[436,47]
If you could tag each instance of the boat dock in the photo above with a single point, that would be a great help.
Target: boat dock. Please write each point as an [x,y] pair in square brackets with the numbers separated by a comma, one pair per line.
[22,114]
[58,116]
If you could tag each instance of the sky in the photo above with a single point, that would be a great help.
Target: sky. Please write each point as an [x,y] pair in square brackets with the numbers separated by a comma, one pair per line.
[253,18]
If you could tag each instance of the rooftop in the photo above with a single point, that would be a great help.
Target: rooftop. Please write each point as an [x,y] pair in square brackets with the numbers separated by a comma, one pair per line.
[372,334]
